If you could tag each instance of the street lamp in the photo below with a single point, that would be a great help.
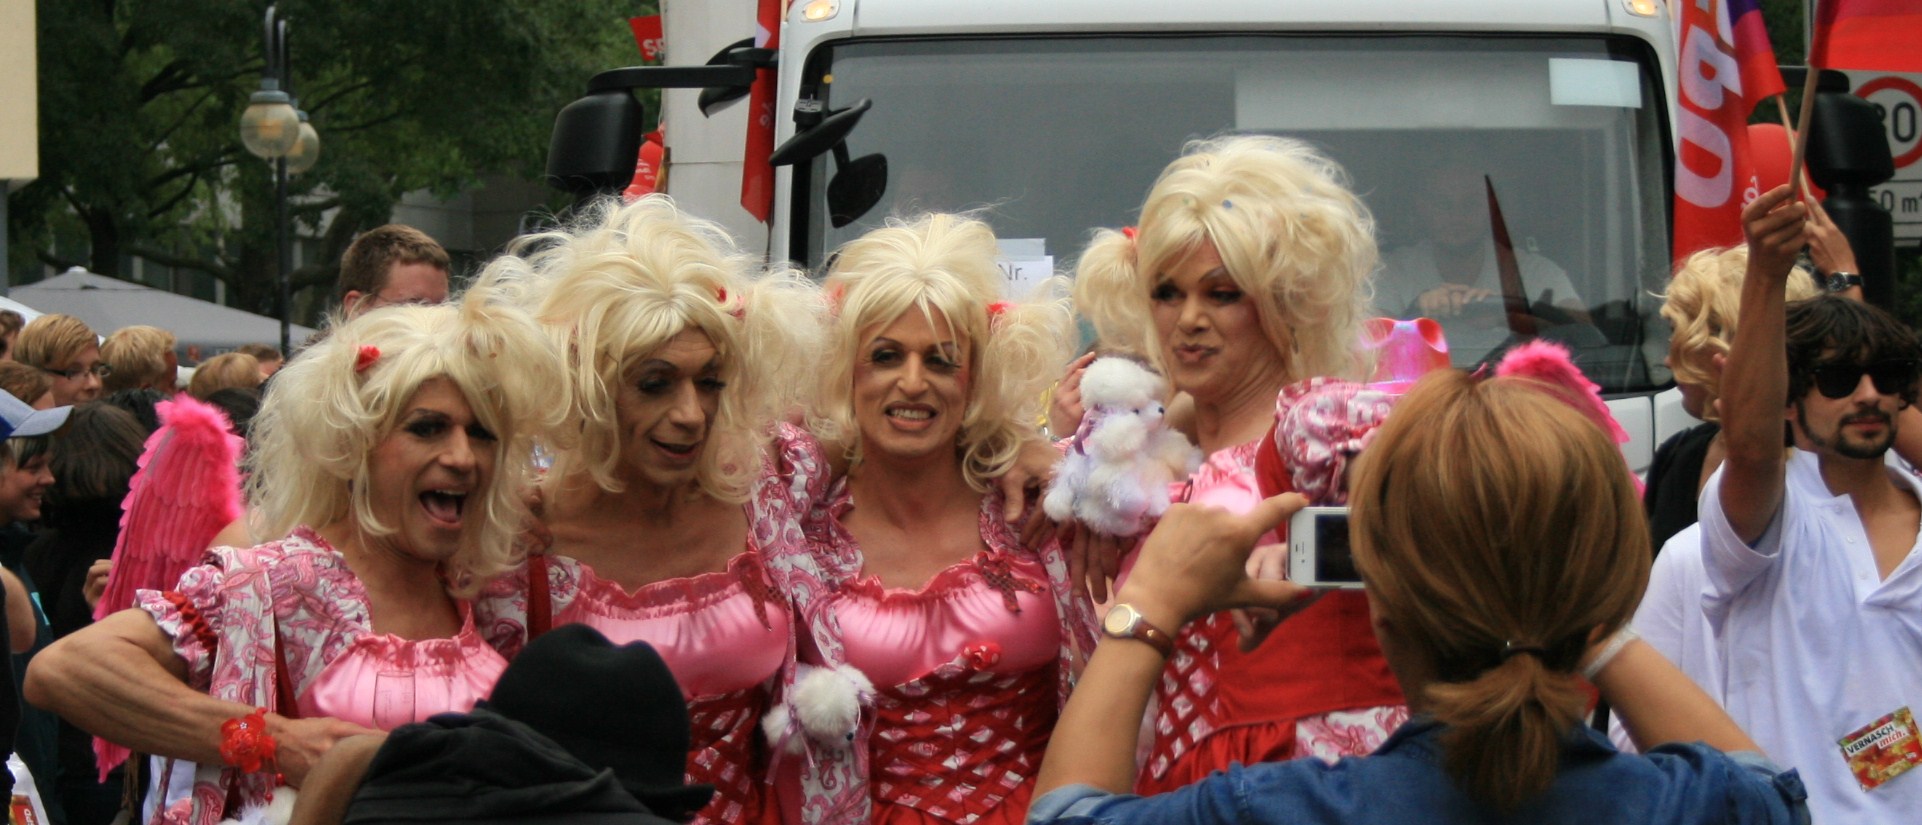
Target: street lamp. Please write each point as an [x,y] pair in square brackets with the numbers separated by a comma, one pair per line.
[274,130]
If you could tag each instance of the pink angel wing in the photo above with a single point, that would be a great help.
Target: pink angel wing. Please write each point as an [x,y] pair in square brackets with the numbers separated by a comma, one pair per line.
[186,490]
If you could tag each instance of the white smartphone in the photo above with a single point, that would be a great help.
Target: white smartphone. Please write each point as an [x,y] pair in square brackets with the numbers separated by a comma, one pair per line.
[1318,554]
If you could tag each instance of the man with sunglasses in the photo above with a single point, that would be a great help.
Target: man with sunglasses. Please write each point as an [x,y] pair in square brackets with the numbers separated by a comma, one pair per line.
[1814,580]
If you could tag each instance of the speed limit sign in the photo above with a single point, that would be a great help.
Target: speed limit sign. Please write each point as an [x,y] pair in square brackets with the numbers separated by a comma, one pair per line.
[1898,99]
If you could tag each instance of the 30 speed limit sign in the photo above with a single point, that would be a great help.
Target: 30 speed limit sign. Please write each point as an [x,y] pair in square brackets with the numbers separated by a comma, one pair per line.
[1898,99]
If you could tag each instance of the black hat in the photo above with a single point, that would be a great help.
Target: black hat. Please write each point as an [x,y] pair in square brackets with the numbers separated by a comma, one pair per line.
[615,708]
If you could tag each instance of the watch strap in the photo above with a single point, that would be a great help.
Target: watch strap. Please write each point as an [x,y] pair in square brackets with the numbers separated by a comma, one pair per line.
[1140,629]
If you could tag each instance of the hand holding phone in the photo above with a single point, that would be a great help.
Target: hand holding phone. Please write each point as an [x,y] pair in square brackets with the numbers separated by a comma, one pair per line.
[1318,550]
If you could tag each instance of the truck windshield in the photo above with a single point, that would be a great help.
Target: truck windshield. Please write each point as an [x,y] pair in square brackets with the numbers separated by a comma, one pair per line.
[1054,136]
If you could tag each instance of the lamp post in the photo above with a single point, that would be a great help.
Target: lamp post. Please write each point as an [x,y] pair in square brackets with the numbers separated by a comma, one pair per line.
[274,130]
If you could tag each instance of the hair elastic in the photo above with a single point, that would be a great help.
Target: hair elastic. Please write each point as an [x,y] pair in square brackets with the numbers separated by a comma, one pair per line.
[1510,649]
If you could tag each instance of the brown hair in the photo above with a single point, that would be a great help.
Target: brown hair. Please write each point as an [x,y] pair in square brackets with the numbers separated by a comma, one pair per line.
[1496,528]
[24,382]
[138,355]
[10,323]
[50,341]
[264,353]
[364,267]
[228,369]
[99,451]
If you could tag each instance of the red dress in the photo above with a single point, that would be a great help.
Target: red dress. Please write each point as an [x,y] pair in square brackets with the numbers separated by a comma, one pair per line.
[1317,686]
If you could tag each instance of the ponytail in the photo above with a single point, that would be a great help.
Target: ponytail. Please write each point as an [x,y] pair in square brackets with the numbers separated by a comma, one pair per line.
[1110,292]
[1503,740]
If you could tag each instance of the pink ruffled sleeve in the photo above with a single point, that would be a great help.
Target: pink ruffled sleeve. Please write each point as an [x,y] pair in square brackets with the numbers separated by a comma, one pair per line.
[190,616]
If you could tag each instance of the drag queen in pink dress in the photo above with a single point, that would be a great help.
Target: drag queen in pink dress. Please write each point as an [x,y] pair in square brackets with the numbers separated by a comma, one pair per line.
[967,640]
[1250,271]
[664,515]
[388,455]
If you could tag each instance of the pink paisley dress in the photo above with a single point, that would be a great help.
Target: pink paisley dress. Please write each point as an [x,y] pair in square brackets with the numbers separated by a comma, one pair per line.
[296,603]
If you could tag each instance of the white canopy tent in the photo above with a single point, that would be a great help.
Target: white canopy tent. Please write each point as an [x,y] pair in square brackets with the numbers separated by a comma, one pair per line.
[107,304]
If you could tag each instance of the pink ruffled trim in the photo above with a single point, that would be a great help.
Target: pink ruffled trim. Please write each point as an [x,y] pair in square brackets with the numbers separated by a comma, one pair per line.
[668,597]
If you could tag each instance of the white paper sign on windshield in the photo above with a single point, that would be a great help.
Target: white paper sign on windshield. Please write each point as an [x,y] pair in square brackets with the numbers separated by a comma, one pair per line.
[1025,263]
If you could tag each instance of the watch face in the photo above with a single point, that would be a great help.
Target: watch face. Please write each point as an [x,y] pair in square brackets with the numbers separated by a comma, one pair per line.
[1119,621]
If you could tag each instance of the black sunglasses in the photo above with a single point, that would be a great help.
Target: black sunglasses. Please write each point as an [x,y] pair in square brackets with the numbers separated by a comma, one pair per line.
[1893,377]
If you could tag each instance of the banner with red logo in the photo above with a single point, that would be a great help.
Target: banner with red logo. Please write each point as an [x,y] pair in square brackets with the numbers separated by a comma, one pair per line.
[1719,85]
[757,176]
[648,35]
[1878,35]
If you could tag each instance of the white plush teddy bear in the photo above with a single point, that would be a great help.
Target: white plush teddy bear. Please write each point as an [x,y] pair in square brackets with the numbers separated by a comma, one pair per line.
[1115,476]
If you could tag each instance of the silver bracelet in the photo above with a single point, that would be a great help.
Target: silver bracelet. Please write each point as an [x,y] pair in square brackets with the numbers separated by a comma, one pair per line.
[1610,651]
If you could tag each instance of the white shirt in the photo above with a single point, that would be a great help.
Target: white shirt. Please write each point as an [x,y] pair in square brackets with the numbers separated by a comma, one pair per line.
[1672,620]
[1410,271]
[1814,644]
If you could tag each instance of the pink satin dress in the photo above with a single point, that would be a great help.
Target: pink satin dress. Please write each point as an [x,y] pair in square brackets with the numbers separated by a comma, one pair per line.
[965,670]
[725,636]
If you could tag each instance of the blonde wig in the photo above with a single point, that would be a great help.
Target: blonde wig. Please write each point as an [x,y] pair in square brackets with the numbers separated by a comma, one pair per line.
[1701,304]
[1496,527]
[138,355]
[943,266]
[336,401]
[50,341]
[228,369]
[1290,233]
[616,286]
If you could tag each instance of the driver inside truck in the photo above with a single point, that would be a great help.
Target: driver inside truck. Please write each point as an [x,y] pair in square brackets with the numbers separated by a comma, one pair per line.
[1453,276]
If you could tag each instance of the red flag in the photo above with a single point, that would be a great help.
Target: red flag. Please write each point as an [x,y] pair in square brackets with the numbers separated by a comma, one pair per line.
[1713,174]
[1761,77]
[757,176]
[647,168]
[647,35]
[1877,35]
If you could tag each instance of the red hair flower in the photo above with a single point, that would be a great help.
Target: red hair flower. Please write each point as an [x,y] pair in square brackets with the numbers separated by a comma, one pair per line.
[366,357]
[995,309]
[1130,232]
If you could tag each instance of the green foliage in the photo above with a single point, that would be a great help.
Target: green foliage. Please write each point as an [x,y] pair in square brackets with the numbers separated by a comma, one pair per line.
[140,104]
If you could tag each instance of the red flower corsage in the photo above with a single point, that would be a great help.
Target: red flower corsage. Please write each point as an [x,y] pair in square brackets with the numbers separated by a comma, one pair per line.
[245,743]
[366,357]
[995,309]
[982,655]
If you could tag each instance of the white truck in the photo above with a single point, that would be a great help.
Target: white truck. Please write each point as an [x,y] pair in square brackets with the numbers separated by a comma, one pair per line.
[1055,116]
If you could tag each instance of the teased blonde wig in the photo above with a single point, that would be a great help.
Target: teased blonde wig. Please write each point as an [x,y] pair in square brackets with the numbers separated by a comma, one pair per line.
[1289,231]
[943,266]
[1701,305]
[616,286]
[326,413]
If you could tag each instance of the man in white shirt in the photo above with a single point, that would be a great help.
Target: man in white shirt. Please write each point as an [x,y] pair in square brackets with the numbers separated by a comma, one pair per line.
[1453,276]
[1814,582]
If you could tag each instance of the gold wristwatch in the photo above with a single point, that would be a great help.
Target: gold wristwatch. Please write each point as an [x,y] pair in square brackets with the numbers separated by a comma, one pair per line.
[1125,622]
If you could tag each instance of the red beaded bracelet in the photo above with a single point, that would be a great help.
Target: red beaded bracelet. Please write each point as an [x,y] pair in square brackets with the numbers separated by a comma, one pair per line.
[245,743]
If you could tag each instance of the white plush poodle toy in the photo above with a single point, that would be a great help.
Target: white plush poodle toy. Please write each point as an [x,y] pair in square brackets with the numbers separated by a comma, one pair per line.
[1115,477]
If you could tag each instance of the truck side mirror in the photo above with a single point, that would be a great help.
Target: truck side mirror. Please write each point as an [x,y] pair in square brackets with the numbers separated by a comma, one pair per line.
[1848,152]
[856,187]
[595,144]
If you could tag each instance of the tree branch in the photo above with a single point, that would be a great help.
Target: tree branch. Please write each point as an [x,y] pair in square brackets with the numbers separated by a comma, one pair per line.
[168,133]
[225,158]
[176,199]
[337,94]
[313,207]
[354,127]
[170,78]
[165,258]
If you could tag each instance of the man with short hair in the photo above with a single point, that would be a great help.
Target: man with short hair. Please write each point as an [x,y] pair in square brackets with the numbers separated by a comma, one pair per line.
[142,358]
[1814,578]
[392,264]
[267,355]
[64,347]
